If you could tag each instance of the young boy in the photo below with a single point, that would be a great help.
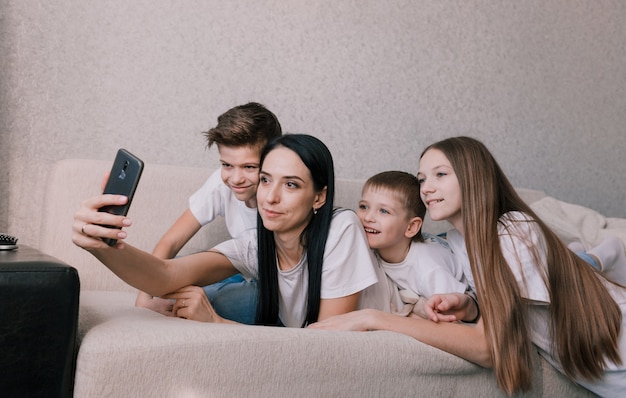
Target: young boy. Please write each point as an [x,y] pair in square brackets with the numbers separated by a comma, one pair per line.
[392,212]
[230,192]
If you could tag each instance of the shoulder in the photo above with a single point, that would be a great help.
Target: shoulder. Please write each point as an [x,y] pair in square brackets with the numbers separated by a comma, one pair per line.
[213,184]
[343,215]
[432,247]
[518,225]
[346,233]
[344,220]
[241,251]
[455,239]
[514,218]
[243,242]
[214,178]
[432,255]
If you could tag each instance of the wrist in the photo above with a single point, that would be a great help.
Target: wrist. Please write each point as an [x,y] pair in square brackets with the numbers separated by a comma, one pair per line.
[477,308]
[373,320]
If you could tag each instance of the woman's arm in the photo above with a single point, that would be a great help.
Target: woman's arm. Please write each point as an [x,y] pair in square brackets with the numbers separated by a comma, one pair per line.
[337,306]
[465,341]
[138,268]
[168,246]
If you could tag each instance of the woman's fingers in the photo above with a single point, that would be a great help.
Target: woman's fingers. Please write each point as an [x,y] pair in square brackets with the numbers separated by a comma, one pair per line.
[91,225]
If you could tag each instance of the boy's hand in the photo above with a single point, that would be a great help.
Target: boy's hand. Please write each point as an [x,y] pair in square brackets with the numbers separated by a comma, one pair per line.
[192,303]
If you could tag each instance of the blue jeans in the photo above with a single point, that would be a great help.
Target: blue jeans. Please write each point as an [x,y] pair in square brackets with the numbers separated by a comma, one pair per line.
[589,258]
[234,298]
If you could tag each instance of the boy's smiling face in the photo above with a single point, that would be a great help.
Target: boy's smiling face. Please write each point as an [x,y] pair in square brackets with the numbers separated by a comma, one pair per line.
[240,171]
[386,223]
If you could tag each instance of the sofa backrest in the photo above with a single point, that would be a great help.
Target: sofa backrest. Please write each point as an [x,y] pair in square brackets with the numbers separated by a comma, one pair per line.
[161,198]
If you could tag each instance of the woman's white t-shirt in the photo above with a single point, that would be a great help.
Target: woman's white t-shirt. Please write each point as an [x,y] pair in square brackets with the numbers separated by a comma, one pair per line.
[348,266]
[519,236]
[214,199]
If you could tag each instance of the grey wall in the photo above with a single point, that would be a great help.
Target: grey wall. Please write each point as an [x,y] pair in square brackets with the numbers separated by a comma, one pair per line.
[543,83]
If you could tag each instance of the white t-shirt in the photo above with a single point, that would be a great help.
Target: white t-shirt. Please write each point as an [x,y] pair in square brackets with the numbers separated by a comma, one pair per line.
[214,199]
[348,266]
[428,268]
[517,240]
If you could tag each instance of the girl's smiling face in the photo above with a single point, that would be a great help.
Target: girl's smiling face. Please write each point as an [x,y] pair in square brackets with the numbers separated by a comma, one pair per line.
[440,189]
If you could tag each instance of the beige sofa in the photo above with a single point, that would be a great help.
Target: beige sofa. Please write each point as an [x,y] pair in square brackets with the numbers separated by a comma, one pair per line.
[131,352]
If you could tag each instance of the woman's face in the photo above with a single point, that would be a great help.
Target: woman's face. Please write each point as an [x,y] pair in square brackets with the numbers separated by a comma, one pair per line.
[440,189]
[286,194]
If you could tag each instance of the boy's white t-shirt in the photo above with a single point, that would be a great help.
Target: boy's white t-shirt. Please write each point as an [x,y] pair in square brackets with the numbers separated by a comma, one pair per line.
[214,199]
[347,269]
[517,240]
[428,268]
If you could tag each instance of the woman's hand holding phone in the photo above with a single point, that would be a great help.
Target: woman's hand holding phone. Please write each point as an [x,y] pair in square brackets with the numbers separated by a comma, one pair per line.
[101,218]
[123,180]
[92,226]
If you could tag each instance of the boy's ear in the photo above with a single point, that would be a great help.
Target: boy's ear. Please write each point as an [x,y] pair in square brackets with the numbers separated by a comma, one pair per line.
[414,227]
[320,198]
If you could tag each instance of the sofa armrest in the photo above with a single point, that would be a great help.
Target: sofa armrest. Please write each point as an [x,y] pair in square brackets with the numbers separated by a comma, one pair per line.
[38,323]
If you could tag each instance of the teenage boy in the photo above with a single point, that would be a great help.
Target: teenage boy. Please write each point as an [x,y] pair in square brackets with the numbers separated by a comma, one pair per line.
[230,192]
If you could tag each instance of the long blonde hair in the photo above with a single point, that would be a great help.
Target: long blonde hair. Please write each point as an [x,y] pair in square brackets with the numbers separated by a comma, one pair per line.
[576,291]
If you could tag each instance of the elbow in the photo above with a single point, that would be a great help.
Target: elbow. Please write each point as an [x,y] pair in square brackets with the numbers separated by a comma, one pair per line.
[483,356]
[485,361]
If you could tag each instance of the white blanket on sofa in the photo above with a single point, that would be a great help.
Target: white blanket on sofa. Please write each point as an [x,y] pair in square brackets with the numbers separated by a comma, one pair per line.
[574,222]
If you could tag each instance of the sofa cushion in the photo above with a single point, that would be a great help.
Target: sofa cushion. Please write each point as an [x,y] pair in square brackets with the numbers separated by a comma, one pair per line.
[128,351]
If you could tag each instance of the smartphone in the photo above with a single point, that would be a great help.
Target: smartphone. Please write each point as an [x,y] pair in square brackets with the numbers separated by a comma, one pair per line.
[123,180]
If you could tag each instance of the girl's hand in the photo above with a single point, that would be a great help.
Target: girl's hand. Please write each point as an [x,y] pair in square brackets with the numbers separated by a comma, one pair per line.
[450,307]
[88,229]
[192,303]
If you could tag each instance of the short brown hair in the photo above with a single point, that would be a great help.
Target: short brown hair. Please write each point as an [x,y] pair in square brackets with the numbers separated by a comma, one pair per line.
[251,125]
[406,188]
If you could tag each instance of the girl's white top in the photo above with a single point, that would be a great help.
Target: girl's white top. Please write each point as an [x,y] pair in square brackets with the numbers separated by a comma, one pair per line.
[519,236]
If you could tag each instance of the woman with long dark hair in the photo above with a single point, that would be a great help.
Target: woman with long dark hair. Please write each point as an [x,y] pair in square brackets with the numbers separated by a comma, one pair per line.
[311,260]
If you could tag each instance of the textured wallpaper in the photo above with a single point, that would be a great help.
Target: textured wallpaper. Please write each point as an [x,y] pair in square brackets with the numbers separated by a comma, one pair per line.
[543,84]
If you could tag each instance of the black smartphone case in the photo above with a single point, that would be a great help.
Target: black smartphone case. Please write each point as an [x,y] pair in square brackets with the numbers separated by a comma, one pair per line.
[123,180]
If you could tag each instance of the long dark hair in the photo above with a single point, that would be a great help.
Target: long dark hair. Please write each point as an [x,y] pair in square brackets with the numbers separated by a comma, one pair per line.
[317,158]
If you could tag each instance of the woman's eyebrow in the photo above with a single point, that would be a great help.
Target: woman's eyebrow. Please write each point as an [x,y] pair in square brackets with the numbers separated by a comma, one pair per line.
[293,177]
